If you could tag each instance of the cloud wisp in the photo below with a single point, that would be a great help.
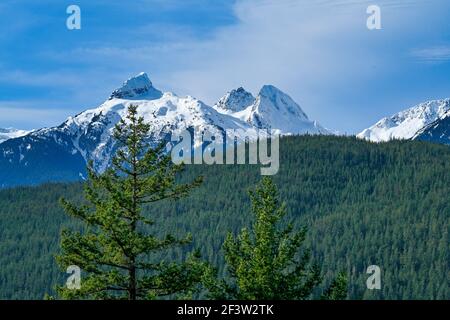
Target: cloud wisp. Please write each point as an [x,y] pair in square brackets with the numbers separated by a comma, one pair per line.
[320,52]
[438,54]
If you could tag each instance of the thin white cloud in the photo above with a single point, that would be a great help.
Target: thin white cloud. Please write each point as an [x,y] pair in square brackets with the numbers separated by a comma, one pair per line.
[437,54]
[26,115]
[300,45]
[313,50]
[47,79]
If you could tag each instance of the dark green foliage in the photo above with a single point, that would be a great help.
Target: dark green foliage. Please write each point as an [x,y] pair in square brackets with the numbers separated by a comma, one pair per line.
[115,251]
[338,289]
[383,204]
[266,262]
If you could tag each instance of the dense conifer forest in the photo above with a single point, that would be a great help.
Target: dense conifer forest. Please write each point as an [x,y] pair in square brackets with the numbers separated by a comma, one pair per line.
[363,203]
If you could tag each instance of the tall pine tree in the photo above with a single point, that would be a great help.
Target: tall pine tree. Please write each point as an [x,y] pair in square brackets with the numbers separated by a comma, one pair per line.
[266,262]
[116,252]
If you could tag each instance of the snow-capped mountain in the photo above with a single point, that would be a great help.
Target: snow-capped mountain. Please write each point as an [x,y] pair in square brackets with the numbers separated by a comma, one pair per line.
[437,132]
[407,124]
[234,101]
[138,87]
[61,153]
[271,109]
[10,133]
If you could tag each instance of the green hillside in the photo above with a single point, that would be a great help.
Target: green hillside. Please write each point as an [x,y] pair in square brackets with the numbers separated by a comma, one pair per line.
[383,204]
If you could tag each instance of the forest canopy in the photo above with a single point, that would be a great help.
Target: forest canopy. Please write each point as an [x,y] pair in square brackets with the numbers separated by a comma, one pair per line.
[363,203]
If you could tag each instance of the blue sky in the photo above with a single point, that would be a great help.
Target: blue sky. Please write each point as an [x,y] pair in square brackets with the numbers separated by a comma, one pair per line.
[318,51]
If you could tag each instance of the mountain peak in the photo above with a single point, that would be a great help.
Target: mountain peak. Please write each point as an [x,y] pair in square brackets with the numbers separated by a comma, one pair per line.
[137,87]
[274,109]
[235,100]
[270,97]
[269,89]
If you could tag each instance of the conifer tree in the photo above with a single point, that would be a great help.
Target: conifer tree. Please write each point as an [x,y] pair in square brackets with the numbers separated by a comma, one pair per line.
[338,289]
[266,261]
[116,252]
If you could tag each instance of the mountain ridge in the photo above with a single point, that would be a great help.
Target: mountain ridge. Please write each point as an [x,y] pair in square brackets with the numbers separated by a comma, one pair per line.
[437,131]
[407,123]
[11,133]
[60,153]
[88,135]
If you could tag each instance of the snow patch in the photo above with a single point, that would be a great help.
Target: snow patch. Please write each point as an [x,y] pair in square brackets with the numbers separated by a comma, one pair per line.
[406,124]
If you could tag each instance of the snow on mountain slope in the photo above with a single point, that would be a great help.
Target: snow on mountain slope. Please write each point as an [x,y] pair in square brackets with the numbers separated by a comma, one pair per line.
[166,115]
[88,135]
[139,87]
[10,133]
[272,109]
[406,124]
[60,153]
[437,131]
[234,101]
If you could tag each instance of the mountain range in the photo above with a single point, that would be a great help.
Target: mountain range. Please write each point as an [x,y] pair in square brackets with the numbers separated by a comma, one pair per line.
[429,121]
[60,153]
